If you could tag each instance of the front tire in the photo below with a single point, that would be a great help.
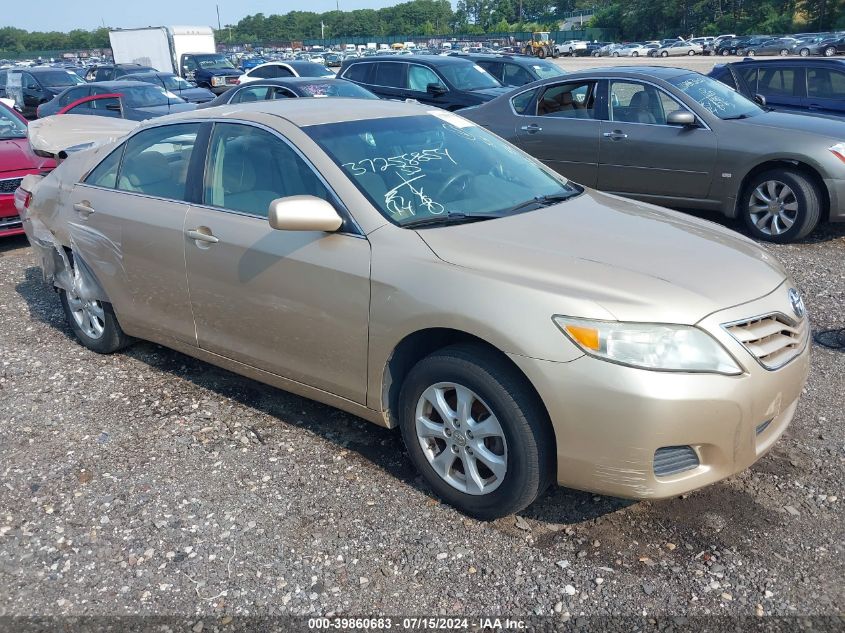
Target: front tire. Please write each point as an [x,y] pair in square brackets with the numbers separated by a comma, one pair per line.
[784,52]
[691,53]
[476,431]
[830,51]
[804,52]
[781,205]
[93,323]
[664,54]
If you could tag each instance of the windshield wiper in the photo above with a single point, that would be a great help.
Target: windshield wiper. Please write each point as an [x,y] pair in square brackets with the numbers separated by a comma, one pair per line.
[453,217]
[542,201]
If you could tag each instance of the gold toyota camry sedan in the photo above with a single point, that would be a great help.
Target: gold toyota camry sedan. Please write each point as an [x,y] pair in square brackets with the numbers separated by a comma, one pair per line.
[404,265]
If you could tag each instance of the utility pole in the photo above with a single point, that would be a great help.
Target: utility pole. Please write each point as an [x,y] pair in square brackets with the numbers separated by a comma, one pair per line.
[218,17]
[322,30]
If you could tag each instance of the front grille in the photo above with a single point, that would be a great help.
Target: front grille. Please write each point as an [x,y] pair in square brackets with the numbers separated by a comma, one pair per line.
[671,460]
[10,184]
[773,340]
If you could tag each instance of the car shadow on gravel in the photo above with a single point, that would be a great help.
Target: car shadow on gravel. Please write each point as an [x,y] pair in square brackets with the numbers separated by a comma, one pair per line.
[13,243]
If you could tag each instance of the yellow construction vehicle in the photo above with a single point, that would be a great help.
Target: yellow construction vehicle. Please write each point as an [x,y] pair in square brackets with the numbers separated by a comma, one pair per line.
[541,45]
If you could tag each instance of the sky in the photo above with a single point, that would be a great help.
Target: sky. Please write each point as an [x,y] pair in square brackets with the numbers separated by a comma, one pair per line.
[61,15]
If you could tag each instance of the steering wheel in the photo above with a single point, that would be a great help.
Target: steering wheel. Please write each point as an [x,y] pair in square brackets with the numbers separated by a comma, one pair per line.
[462,177]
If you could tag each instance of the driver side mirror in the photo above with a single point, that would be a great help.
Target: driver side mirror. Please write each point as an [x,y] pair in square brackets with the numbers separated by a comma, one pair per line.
[303,213]
[682,118]
[435,89]
[760,100]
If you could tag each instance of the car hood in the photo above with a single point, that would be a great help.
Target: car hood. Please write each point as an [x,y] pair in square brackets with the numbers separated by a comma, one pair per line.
[216,72]
[830,129]
[611,258]
[492,93]
[196,94]
[15,154]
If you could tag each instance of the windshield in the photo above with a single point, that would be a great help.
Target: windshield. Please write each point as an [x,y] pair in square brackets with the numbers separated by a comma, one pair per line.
[336,89]
[436,164]
[310,69]
[213,61]
[171,82]
[468,76]
[58,78]
[10,125]
[546,70]
[146,96]
[715,96]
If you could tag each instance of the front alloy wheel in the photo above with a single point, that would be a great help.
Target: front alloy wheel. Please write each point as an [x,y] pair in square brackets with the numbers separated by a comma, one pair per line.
[773,207]
[829,51]
[461,438]
[782,205]
[476,430]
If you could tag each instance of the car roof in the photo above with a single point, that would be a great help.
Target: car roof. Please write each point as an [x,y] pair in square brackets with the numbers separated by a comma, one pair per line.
[302,113]
[117,84]
[433,60]
[793,61]
[659,72]
[495,57]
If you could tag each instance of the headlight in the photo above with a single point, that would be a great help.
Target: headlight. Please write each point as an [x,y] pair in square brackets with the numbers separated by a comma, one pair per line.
[218,81]
[650,346]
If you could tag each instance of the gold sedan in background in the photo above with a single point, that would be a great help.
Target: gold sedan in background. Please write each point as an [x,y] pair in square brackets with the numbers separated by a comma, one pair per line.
[409,267]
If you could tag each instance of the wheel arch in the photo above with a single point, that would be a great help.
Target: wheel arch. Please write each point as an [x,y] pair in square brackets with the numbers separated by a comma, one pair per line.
[416,346]
[784,163]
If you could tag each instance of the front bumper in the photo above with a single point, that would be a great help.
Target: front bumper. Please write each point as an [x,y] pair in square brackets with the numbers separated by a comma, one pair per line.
[609,420]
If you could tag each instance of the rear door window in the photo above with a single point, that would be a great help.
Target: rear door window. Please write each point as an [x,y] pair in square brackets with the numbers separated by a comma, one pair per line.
[573,100]
[516,75]
[823,83]
[390,75]
[776,81]
[156,161]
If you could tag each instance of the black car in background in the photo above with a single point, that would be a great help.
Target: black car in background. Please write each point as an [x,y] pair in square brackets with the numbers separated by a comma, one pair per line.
[37,86]
[174,84]
[110,72]
[829,47]
[730,46]
[802,85]
[446,82]
[291,87]
[517,70]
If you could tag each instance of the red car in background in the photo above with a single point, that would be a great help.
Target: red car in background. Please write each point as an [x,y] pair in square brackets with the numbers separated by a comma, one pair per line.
[16,161]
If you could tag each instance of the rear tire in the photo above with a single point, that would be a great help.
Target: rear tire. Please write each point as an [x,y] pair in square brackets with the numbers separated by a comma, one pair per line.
[541,52]
[664,54]
[691,53]
[804,52]
[93,323]
[518,440]
[830,51]
[784,52]
[781,205]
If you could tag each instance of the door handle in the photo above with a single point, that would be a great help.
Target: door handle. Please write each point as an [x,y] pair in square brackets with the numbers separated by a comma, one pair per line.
[616,135]
[531,129]
[83,208]
[199,236]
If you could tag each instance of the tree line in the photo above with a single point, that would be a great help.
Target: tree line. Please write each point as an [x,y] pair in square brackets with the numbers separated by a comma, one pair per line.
[631,19]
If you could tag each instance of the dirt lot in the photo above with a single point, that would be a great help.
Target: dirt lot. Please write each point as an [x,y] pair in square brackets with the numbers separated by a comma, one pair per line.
[150,483]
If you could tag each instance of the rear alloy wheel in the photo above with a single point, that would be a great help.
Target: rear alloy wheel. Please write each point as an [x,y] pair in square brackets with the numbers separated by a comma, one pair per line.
[784,52]
[750,53]
[830,51]
[635,54]
[93,322]
[664,54]
[781,206]
[691,53]
[615,54]
[476,431]
[725,53]
[804,52]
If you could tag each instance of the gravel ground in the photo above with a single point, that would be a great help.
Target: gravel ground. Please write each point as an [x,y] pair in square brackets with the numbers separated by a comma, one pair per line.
[150,483]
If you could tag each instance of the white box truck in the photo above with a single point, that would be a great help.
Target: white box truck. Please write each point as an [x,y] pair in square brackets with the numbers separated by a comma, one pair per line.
[188,51]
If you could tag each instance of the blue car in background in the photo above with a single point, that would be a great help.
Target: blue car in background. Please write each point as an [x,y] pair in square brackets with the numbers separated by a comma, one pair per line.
[248,64]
